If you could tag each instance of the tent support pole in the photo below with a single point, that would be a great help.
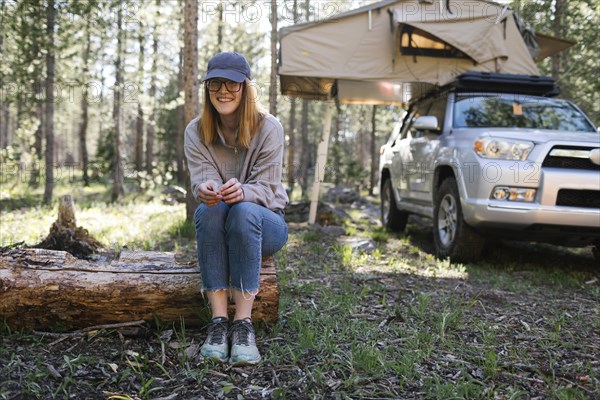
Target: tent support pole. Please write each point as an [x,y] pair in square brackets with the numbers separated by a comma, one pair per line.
[321,162]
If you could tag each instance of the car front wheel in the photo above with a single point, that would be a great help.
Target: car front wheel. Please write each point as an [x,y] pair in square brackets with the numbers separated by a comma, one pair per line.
[391,217]
[453,238]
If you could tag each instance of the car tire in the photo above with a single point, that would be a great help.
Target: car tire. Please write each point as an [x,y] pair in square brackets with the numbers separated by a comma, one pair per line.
[391,217]
[452,236]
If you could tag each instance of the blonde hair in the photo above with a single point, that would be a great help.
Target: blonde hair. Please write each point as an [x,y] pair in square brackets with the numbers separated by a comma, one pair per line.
[251,115]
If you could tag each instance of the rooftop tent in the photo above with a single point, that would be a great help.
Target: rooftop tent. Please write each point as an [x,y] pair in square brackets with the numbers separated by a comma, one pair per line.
[389,51]
[394,50]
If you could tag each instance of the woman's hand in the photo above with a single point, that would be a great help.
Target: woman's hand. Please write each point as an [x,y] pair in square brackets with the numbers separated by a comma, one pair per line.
[232,191]
[209,194]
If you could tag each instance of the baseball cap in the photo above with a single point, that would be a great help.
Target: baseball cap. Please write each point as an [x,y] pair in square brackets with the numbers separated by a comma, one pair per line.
[228,65]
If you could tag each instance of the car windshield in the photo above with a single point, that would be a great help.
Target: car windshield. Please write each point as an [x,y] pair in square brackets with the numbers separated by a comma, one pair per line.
[518,111]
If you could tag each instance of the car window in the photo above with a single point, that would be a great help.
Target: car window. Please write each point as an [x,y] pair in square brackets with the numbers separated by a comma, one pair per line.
[496,111]
[403,128]
[438,110]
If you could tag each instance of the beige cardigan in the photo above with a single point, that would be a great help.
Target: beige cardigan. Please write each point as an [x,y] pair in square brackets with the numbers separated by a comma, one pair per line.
[258,168]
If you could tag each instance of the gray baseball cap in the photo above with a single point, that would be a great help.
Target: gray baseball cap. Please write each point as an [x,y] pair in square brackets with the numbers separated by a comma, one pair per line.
[228,65]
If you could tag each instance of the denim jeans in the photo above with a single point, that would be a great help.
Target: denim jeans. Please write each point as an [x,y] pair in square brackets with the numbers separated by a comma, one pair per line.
[231,241]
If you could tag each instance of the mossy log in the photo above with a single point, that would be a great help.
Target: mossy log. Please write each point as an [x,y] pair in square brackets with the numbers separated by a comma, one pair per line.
[45,288]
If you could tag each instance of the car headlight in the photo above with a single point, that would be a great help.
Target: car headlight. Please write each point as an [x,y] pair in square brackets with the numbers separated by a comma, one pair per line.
[502,149]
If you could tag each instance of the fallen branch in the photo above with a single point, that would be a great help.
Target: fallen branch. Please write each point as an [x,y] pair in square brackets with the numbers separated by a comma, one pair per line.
[572,383]
[81,332]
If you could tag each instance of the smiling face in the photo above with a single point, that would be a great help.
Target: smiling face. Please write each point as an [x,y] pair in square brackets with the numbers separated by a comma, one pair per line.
[225,100]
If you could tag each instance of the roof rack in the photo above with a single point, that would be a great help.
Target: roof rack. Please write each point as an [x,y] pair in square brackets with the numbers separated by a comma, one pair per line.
[506,83]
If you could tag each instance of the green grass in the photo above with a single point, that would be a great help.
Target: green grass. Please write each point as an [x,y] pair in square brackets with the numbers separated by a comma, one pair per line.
[432,324]
[144,225]
[135,224]
[389,323]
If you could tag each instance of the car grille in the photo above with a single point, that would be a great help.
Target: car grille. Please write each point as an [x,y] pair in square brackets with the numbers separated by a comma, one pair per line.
[570,162]
[578,198]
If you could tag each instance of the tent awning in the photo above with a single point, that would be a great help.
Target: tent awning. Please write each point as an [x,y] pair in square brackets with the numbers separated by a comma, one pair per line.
[550,45]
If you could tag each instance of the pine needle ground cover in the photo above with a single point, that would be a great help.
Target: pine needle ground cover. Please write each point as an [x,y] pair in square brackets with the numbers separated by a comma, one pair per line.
[363,314]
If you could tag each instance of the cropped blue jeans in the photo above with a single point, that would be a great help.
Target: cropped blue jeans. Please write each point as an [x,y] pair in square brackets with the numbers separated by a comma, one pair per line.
[231,241]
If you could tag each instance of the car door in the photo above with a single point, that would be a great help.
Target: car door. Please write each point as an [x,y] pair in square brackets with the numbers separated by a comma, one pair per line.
[401,157]
[423,149]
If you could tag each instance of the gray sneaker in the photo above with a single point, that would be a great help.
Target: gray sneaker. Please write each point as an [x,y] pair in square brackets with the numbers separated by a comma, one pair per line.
[243,343]
[216,346]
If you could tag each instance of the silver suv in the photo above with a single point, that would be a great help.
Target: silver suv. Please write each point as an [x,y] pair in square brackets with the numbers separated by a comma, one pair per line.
[494,156]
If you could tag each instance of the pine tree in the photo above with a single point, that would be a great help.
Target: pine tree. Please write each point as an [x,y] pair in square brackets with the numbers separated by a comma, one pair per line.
[49,117]
[273,80]
[83,128]
[190,79]
[151,128]
[118,188]
[291,159]
[139,126]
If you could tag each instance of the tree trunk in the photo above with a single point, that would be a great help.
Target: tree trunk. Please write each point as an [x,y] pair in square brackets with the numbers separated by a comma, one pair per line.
[374,158]
[291,162]
[37,87]
[38,145]
[305,151]
[273,86]
[337,151]
[4,121]
[117,189]
[180,125]
[49,186]
[151,128]
[139,120]
[220,24]
[100,102]
[292,169]
[45,288]
[3,107]
[83,153]
[18,118]
[139,138]
[559,14]
[190,79]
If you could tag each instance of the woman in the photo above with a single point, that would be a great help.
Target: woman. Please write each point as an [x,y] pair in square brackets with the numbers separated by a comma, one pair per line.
[235,155]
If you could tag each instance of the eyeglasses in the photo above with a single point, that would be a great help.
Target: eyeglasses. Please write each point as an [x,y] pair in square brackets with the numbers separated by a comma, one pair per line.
[214,85]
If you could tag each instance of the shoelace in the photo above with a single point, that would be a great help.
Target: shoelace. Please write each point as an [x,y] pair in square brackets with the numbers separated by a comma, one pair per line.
[217,333]
[241,332]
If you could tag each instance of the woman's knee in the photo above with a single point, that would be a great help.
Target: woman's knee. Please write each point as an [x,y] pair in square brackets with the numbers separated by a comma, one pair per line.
[205,216]
[243,214]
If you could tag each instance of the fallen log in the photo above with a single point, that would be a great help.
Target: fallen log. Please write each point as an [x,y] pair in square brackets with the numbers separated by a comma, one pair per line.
[44,288]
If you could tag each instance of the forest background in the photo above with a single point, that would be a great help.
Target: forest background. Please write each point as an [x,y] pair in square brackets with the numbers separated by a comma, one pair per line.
[86,86]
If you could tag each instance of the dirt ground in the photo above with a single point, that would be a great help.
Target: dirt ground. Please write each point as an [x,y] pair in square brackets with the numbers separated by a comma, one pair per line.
[529,328]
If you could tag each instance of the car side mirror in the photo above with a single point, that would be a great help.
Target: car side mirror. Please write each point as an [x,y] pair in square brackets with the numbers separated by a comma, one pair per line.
[426,123]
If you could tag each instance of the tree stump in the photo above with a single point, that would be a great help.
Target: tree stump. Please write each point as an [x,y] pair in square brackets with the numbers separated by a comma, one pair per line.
[66,235]
[44,288]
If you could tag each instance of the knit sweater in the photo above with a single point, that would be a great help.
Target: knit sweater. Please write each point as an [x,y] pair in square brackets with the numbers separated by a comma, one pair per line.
[258,168]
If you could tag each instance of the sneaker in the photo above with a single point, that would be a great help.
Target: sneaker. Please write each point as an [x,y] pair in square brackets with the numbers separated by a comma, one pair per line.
[216,346]
[243,343]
